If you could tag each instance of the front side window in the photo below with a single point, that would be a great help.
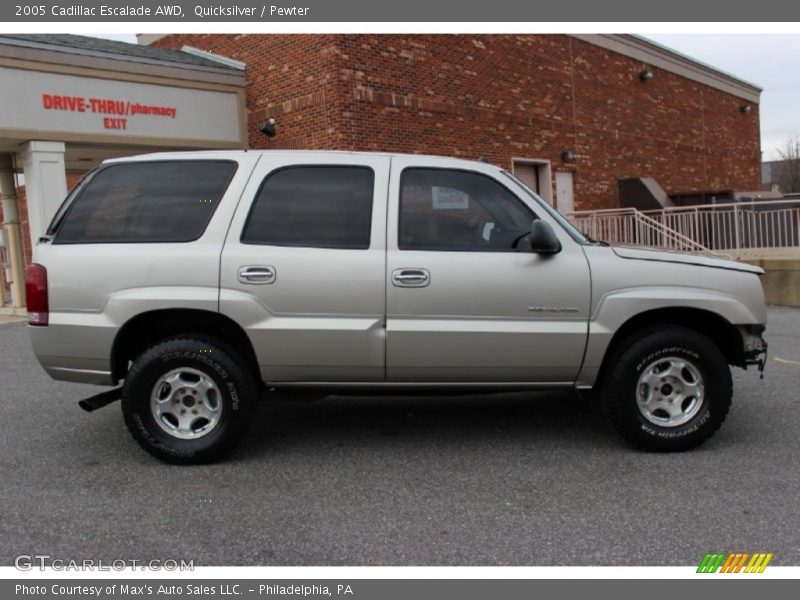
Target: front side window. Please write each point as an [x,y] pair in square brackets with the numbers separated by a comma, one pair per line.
[452,210]
[313,207]
[164,201]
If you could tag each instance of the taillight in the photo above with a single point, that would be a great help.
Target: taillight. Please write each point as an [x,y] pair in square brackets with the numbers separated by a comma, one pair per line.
[36,292]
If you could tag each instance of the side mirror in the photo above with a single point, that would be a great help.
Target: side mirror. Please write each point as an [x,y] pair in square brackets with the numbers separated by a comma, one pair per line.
[543,239]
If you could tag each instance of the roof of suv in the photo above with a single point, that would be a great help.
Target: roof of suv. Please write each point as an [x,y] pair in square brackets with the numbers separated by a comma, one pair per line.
[233,154]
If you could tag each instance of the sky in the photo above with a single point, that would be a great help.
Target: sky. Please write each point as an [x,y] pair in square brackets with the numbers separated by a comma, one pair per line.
[770,61]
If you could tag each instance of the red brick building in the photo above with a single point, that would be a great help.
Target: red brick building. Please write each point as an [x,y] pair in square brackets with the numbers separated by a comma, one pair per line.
[572,115]
[578,111]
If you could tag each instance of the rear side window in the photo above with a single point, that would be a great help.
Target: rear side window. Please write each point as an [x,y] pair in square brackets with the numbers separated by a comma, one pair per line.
[313,207]
[169,201]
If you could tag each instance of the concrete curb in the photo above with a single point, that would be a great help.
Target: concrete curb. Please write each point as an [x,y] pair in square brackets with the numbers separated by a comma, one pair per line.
[7,320]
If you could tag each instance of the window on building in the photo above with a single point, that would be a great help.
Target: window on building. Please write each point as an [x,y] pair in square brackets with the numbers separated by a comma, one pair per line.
[450,210]
[165,201]
[313,207]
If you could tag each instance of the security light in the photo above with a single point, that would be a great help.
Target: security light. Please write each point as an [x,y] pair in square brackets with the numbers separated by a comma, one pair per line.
[268,127]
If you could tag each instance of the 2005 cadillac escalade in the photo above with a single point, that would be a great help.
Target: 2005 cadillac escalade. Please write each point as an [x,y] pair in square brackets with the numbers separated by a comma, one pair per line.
[205,280]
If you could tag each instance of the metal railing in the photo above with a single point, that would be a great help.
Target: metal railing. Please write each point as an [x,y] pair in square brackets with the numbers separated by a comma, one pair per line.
[732,228]
[631,226]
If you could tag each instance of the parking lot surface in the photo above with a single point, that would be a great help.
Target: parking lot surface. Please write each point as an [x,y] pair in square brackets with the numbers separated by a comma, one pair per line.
[507,479]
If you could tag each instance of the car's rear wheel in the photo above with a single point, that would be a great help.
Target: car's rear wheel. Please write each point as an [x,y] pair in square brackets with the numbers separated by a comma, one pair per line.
[667,389]
[186,400]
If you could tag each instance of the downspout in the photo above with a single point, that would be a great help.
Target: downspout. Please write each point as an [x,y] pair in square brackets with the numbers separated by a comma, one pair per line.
[13,250]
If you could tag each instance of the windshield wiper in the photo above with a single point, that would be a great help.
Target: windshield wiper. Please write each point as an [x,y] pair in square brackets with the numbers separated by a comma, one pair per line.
[595,242]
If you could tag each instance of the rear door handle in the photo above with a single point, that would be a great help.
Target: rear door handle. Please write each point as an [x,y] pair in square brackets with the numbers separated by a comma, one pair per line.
[411,277]
[257,274]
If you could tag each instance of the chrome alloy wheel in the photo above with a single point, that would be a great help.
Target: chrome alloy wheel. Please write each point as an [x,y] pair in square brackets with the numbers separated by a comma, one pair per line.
[670,391]
[186,403]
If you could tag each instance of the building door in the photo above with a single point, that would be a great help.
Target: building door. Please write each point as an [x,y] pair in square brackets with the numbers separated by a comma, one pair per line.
[565,199]
[536,175]
[528,173]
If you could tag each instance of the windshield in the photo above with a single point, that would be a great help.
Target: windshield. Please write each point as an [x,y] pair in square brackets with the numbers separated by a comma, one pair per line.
[568,227]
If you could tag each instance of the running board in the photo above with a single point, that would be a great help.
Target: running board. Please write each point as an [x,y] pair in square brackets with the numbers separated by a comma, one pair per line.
[100,400]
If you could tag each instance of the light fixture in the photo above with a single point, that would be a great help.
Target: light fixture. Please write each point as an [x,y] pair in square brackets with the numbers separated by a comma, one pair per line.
[645,75]
[745,108]
[268,127]
[567,156]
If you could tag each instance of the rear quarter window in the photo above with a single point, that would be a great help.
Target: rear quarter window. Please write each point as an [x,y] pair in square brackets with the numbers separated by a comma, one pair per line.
[164,201]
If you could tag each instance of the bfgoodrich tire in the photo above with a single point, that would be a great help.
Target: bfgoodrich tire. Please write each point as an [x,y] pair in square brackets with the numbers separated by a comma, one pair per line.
[186,401]
[668,389]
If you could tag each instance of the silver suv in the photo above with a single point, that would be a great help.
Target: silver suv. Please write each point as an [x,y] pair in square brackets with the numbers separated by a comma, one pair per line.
[208,280]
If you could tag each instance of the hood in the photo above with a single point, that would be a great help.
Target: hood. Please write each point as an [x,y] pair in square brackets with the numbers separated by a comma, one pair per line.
[675,256]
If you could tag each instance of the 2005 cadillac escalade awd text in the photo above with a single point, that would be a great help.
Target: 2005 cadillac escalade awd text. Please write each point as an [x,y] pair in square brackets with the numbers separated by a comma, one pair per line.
[208,280]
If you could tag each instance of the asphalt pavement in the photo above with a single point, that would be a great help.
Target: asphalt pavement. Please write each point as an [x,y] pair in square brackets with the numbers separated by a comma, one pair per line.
[507,479]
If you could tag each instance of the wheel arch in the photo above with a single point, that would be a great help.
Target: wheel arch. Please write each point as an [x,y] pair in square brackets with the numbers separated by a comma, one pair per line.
[715,327]
[148,328]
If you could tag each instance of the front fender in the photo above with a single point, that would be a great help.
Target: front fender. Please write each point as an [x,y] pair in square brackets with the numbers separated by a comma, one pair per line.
[617,308]
[624,288]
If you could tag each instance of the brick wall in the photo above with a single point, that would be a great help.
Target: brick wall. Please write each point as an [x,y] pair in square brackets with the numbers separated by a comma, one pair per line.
[499,96]
[293,78]
[22,207]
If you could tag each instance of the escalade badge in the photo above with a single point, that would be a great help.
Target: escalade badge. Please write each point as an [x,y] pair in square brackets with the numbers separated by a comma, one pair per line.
[553,309]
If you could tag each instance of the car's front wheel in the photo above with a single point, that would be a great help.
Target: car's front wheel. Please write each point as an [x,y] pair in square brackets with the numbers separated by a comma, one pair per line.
[186,400]
[667,389]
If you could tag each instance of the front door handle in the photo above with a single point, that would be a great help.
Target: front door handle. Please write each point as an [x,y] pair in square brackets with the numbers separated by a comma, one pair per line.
[411,277]
[257,274]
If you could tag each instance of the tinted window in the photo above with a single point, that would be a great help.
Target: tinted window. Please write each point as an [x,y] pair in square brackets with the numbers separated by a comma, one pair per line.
[453,210]
[314,207]
[146,202]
